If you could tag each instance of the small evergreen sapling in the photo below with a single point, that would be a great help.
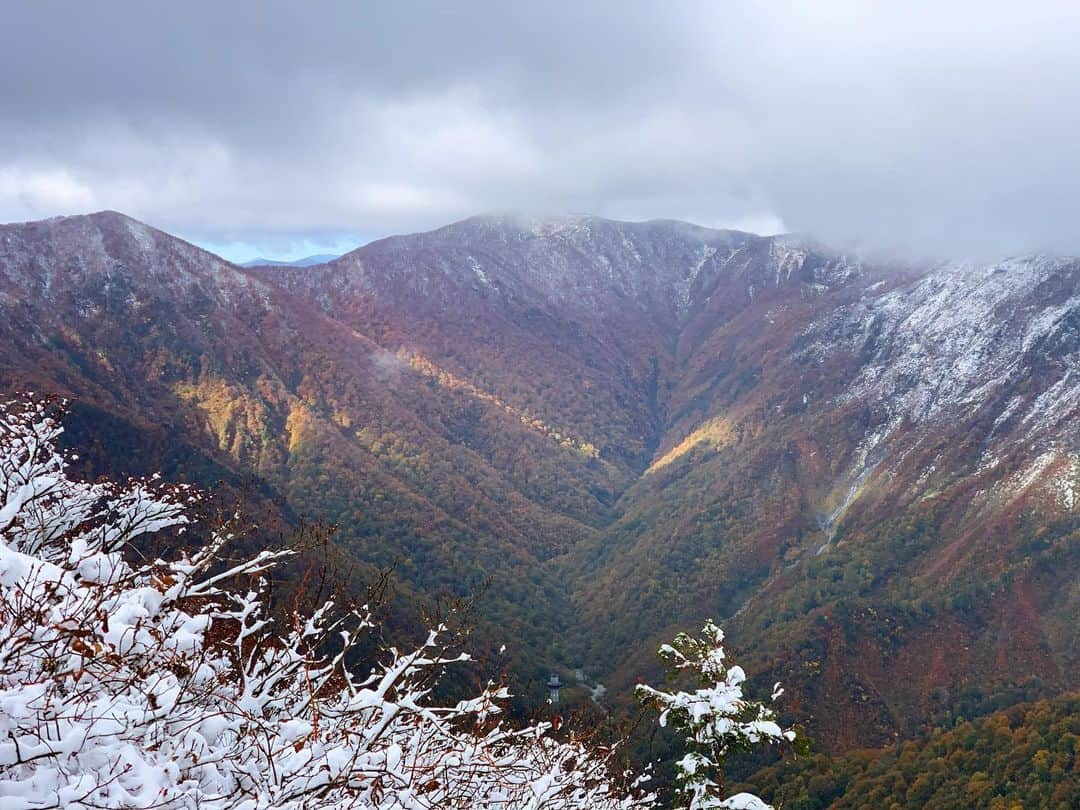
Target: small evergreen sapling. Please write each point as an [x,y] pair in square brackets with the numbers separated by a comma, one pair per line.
[716,719]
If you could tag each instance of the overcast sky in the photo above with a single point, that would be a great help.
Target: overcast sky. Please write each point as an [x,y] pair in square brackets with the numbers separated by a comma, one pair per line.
[293,127]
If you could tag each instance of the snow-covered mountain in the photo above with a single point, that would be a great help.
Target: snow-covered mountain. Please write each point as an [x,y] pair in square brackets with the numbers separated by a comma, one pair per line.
[629,426]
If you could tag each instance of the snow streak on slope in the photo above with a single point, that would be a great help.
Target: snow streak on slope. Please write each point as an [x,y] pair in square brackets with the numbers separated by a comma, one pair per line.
[997,342]
[968,331]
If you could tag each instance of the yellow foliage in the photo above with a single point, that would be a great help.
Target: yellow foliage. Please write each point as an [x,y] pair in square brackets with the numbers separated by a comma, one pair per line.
[454,383]
[715,432]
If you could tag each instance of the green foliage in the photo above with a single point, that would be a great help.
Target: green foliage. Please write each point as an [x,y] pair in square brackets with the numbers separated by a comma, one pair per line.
[1025,757]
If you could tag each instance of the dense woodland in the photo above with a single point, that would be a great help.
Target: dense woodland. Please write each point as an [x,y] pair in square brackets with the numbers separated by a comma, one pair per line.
[1025,757]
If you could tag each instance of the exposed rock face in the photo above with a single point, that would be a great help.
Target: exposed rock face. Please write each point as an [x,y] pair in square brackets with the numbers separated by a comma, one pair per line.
[629,426]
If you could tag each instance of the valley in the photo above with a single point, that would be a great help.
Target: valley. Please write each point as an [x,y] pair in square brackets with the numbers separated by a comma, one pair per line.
[867,471]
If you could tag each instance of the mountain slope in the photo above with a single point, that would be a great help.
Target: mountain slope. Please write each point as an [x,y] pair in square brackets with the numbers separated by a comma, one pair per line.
[161,334]
[869,473]
[862,468]
[1023,757]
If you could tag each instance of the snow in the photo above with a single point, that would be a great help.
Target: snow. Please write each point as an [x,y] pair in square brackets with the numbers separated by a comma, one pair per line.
[743,801]
[683,286]
[715,718]
[963,337]
[787,260]
[115,693]
[956,336]
[141,234]
[478,271]
[1067,484]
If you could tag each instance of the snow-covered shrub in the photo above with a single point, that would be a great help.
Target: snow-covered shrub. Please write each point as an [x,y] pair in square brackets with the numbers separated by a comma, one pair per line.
[160,685]
[715,718]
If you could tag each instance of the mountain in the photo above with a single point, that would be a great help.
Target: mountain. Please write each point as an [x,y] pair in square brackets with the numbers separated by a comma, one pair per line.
[867,471]
[307,261]
[873,476]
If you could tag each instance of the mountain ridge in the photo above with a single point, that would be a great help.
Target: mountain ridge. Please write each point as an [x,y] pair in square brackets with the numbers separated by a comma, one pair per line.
[629,426]
[306,261]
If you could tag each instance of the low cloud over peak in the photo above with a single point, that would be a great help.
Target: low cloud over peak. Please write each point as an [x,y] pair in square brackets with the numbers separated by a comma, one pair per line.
[943,129]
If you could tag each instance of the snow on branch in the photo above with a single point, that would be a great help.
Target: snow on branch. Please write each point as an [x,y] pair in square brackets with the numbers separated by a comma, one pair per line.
[156,685]
[715,719]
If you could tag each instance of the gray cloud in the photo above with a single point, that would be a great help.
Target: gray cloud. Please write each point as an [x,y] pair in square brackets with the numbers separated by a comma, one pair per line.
[926,126]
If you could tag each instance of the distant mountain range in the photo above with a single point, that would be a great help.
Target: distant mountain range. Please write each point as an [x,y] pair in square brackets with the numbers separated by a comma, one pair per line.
[307,261]
[868,472]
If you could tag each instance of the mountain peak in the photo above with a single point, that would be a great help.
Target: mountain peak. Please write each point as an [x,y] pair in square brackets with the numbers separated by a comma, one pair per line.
[306,261]
[549,225]
[88,251]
